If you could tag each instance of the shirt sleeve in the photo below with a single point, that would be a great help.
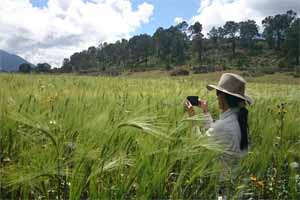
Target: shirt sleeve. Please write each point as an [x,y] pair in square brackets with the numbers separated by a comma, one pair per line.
[208,121]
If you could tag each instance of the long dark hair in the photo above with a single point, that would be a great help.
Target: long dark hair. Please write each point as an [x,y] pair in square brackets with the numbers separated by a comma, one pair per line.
[234,102]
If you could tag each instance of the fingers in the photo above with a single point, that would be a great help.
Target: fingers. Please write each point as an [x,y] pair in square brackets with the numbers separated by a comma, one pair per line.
[204,105]
[188,105]
[189,108]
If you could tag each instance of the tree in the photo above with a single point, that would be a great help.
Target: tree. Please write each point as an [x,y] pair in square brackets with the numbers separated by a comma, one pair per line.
[197,36]
[195,29]
[162,45]
[66,66]
[248,31]
[179,42]
[183,26]
[25,68]
[292,42]
[213,34]
[140,48]
[170,44]
[230,30]
[221,33]
[275,28]
[43,67]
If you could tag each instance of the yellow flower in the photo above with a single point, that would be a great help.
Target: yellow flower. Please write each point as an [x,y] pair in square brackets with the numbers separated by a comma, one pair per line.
[253,178]
[260,183]
[52,122]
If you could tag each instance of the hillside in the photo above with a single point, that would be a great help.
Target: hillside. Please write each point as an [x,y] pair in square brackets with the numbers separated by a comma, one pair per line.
[10,62]
[235,45]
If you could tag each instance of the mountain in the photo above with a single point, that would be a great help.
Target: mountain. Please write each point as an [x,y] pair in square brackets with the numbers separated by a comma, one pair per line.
[10,62]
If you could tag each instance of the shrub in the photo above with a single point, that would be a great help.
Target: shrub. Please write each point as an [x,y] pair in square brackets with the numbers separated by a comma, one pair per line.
[245,74]
[180,72]
[168,67]
[283,63]
[113,72]
[260,45]
[296,73]
[25,68]
[269,70]
[206,69]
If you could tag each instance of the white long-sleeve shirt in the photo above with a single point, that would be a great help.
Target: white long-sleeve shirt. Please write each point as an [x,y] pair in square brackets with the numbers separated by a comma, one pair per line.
[226,130]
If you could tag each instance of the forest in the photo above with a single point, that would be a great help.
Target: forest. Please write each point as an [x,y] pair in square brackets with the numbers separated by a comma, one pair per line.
[238,45]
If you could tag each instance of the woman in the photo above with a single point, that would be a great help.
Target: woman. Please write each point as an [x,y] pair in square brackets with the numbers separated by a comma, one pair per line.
[231,130]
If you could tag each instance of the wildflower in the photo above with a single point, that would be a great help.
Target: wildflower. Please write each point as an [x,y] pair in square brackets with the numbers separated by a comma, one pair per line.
[52,122]
[7,159]
[42,87]
[278,138]
[284,111]
[294,165]
[253,178]
[260,184]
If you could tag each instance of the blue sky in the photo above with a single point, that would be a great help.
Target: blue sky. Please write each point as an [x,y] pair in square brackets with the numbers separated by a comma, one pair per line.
[164,14]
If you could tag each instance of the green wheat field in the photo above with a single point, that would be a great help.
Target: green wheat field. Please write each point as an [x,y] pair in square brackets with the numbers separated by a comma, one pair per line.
[76,137]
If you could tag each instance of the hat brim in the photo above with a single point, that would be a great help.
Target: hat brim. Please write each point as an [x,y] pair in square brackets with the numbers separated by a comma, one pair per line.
[247,98]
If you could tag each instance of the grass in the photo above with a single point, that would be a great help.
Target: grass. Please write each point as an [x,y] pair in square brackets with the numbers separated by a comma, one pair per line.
[71,137]
[276,78]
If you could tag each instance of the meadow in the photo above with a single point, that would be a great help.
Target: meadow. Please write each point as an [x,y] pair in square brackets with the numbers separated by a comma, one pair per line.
[76,137]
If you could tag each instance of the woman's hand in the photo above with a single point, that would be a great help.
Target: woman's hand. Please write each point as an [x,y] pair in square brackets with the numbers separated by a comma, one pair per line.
[203,105]
[189,108]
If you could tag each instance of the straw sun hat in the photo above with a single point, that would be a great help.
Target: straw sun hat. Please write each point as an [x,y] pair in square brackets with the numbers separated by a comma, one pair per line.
[234,85]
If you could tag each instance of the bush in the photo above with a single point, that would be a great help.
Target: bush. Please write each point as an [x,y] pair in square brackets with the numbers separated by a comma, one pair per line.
[245,74]
[255,72]
[168,67]
[296,73]
[138,69]
[261,45]
[113,72]
[25,68]
[269,70]
[283,63]
[180,72]
[201,69]
[42,68]
[206,69]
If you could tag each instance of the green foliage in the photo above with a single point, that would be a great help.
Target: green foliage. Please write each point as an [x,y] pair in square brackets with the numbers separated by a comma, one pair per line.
[196,35]
[42,68]
[230,30]
[276,27]
[140,48]
[213,35]
[25,68]
[183,44]
[248,32]
[260,46]
[283,63]
[292,42]
[171,44]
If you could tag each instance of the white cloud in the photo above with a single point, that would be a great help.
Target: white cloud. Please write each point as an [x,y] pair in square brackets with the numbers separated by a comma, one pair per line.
[178,20]
[63,27]
[217,12]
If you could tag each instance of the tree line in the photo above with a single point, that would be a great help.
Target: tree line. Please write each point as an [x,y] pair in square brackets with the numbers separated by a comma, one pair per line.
[185,44]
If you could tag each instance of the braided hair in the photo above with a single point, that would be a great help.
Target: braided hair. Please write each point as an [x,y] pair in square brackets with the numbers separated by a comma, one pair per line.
[235,102]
